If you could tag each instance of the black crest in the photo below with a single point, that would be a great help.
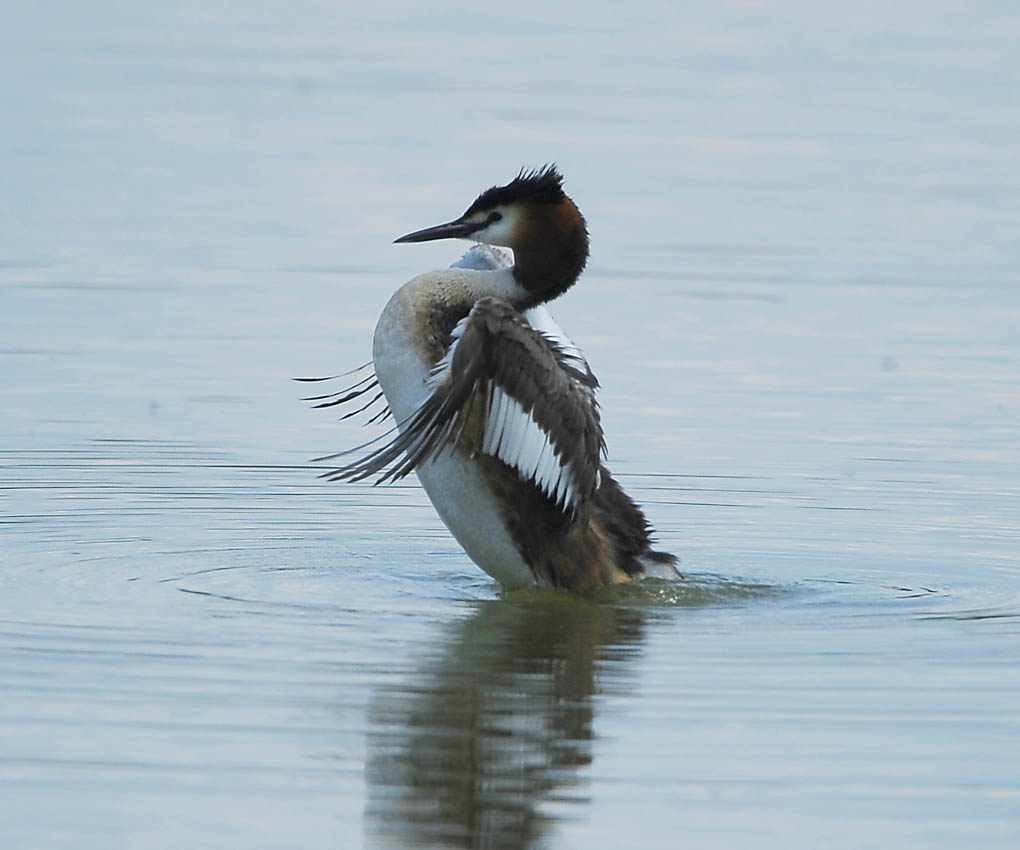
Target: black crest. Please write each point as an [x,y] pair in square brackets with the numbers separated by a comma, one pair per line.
[541,186]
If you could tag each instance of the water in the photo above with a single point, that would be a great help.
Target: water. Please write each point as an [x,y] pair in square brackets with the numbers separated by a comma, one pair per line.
[802,304]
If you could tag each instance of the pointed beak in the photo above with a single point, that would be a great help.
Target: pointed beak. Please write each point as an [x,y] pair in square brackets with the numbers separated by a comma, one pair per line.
[458,229]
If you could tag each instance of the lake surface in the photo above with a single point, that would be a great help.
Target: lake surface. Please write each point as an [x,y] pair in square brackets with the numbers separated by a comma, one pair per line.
[803,304]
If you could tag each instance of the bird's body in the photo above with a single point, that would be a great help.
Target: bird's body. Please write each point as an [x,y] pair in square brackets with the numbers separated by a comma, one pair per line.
[496,409]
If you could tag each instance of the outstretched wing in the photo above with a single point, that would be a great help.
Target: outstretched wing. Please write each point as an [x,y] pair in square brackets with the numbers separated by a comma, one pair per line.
[537,401]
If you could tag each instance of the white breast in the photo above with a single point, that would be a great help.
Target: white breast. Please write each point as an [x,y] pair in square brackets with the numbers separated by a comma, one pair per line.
[454,484]
[465,503]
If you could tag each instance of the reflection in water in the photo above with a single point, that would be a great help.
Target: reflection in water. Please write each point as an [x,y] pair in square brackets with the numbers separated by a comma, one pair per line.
[466,753]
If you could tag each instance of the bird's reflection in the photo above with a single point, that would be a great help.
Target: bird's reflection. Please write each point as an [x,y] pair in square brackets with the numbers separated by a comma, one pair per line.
[472,749]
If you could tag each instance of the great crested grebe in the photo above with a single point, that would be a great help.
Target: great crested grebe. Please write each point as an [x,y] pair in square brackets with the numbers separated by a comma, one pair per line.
[495,408]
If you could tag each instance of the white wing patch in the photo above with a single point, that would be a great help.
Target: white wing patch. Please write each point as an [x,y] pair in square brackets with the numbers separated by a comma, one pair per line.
[542,321]
[519,441]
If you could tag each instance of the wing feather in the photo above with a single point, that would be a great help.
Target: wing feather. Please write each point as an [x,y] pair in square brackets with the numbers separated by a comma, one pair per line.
[540,414]
[354,391]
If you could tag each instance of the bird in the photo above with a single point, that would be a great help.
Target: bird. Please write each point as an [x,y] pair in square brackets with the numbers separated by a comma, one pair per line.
[495,409]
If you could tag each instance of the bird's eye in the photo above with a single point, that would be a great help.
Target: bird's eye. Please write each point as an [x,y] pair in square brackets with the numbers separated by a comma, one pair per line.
[494,217]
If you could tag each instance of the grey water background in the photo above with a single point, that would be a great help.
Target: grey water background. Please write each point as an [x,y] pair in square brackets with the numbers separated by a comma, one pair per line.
[803,304]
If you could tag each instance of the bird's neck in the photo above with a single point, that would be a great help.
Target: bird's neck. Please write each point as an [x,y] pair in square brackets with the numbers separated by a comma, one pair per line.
[550,256]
